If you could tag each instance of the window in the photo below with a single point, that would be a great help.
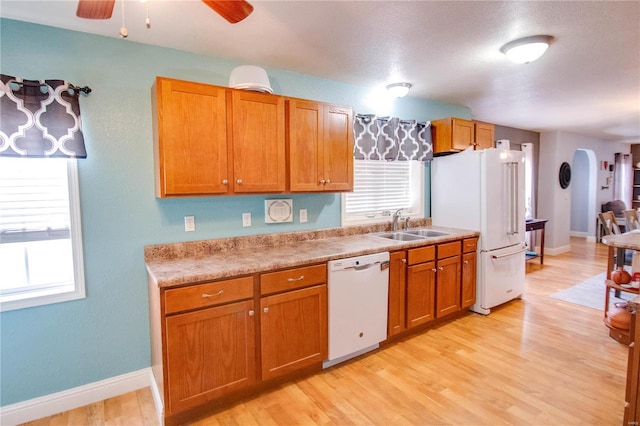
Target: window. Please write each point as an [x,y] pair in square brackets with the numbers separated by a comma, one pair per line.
[382,187]
[40,233]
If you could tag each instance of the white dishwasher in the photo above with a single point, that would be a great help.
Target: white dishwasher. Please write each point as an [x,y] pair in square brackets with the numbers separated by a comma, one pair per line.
[358,298]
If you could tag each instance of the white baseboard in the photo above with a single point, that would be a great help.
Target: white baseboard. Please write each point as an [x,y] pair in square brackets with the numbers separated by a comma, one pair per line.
[157,398]
[557,250]
[69,399]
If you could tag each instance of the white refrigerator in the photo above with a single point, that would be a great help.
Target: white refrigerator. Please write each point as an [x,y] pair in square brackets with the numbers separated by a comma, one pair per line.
[484,191]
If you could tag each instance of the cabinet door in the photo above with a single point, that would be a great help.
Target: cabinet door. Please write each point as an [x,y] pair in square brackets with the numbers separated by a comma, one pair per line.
[397,292]
[190,147]
[420,293]
[294,330]
[468,286]
[306,123]
[448,286]
[258,142]
[462,135]
[484,135]
[320,147]
[338,148]
[210,353]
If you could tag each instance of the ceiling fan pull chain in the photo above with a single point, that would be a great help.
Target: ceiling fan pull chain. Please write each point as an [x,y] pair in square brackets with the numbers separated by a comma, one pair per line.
[123,29]
[147,21]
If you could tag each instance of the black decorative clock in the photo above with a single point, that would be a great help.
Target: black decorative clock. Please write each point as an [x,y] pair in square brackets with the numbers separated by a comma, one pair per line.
[565,175]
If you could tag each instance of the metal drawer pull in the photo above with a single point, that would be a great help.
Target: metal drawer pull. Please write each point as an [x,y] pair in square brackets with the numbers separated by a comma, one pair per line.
[213,295]
[251,313]
[466,262]
[301,277]
[266,310]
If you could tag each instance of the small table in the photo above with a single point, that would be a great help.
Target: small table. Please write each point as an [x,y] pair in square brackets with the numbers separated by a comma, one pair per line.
[535,225]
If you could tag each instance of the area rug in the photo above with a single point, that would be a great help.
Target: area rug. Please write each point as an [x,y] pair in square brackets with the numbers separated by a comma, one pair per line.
[590,293]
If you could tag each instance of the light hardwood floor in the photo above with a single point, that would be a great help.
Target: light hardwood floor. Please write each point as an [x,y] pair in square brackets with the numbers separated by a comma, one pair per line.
[535,361]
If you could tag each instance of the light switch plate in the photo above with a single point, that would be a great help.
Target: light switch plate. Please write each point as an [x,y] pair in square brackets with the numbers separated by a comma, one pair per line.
[278,211]
[189,223]
[303,215]
[246,219]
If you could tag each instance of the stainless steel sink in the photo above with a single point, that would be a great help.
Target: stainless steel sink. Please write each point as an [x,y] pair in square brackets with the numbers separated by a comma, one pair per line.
[401,236]
[426,233]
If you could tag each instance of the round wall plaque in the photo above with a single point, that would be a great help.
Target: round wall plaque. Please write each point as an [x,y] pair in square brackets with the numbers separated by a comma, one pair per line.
[565,175]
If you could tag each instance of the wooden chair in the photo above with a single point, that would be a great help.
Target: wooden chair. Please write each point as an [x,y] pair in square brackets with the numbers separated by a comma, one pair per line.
[631,220]
[609,223]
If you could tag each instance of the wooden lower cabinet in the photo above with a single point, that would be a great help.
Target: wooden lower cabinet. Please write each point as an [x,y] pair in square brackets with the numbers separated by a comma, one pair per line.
[448,286]
[424,287]
[469,272]
[294,330]
[209,353]
[421,280]
[397,292]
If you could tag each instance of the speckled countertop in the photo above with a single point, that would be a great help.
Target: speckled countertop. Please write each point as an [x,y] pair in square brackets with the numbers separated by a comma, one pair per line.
[192,262]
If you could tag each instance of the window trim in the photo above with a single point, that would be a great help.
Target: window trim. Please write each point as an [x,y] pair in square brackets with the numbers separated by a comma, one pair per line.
[418,174]
[34,298]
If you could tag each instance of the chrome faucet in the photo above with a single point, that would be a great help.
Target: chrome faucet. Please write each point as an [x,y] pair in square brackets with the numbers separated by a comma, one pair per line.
[394,223]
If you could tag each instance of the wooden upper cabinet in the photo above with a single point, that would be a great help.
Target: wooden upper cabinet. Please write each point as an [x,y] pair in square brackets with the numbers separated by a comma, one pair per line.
[484,135]
[190,138]
[456,134]
[320,154]
[257,124]
[452,134]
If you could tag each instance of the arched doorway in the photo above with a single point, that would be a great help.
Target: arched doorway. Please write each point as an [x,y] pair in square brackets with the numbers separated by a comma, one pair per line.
[584,169]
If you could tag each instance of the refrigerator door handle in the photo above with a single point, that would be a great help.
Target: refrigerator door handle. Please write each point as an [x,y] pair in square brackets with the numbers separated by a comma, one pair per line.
[513,198]
[500,256]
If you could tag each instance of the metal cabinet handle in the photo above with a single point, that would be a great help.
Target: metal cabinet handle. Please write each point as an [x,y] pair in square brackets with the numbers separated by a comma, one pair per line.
[251,313]
[322,181]
[301,277]
[205,295]
[225,181]
[328,181]
[404,260]
[466,262]
[441,268]
[239,181]
[266,310]
[434,270]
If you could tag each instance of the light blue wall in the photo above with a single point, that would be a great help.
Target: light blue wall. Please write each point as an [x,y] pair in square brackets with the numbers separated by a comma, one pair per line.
[52,348]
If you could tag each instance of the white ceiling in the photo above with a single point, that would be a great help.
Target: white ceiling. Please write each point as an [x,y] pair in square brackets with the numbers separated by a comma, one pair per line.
[588,82]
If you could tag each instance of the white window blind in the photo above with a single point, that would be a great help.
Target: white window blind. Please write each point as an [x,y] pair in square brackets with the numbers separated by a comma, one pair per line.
[33,206]
[40,242]
[382,187]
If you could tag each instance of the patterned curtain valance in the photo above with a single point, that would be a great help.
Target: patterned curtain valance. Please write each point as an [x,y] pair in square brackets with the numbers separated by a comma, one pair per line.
[40,118]
[391,139]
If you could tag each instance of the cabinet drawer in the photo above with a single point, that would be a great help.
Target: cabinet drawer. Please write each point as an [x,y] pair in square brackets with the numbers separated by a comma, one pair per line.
[469,245]
[290,279]
[209,294]
[422,254]
[448,249]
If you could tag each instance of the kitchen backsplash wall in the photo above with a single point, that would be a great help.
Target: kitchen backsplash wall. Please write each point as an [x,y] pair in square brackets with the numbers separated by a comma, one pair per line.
[52,348]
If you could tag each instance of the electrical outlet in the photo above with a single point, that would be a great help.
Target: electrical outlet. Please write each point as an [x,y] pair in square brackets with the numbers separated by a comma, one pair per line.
[246,219]
[303,215]
[189,223]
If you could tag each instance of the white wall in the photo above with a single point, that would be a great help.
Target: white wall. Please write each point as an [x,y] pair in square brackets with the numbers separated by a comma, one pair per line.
[554,203]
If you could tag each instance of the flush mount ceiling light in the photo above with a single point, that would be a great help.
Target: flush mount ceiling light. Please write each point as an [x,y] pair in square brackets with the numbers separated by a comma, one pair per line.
[398,90]
[528,49]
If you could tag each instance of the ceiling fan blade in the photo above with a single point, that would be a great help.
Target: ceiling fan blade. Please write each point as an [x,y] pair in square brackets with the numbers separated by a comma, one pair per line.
[95,9]
[233,11]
